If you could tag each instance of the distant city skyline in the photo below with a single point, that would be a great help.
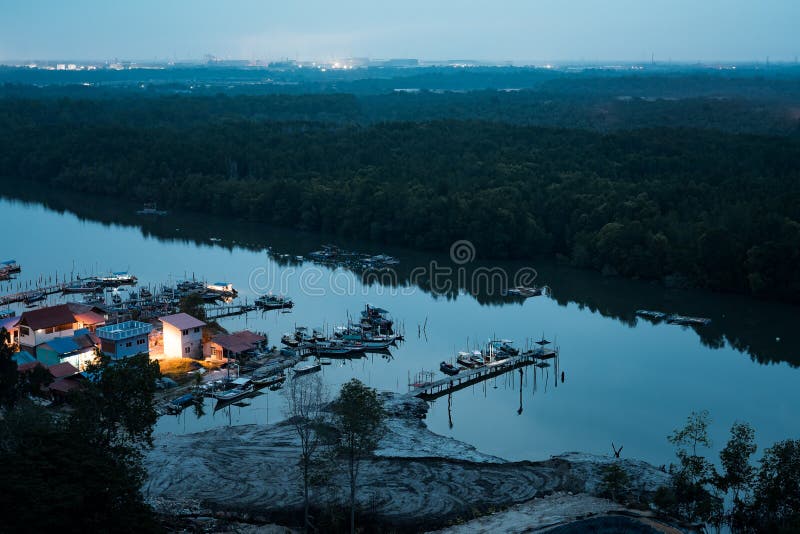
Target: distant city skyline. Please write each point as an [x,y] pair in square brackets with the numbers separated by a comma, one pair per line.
[520,31]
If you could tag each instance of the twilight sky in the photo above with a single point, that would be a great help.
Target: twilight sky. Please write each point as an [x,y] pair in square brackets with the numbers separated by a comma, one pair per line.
[430,29]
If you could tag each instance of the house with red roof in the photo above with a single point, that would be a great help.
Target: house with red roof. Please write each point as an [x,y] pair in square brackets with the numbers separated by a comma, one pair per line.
[44,324]
[235,345]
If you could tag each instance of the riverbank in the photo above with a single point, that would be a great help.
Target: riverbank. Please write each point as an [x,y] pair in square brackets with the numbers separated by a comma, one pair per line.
[417,480]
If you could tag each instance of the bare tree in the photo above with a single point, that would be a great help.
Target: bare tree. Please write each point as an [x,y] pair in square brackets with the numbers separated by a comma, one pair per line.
[305,398]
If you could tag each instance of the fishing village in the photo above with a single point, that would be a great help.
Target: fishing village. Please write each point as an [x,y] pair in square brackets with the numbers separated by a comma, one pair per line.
[178,322]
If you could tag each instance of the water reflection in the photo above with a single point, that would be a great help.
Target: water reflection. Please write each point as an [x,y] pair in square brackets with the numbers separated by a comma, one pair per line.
[763,330]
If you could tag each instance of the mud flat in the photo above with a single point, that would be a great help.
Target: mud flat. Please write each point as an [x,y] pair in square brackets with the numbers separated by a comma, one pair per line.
[417,480]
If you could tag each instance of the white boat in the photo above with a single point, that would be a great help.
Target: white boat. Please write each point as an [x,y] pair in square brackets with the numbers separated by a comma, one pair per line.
[304,368]
[233,394]
[325,361]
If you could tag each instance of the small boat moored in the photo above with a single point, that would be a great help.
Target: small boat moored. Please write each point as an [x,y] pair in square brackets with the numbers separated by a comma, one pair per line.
[304,368]
[448,368]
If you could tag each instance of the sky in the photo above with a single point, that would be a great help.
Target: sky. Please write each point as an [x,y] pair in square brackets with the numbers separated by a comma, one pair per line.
[498,30]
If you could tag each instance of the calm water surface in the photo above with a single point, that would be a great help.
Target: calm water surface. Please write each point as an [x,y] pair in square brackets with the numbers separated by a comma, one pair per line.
[626,381]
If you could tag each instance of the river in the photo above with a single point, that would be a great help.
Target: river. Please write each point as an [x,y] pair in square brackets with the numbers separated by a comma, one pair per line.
[625,380]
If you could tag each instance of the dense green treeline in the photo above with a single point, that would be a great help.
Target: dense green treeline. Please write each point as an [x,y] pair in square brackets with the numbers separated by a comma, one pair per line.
[697,207]
[556,108]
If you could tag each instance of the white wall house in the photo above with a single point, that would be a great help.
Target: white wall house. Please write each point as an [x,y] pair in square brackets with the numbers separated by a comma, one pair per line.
[40,326]
[183,336]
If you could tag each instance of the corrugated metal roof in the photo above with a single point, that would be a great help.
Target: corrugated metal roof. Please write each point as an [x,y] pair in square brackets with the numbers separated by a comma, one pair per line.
[22,357]
[48,317]
[61,370]
[62,345]
[182,321]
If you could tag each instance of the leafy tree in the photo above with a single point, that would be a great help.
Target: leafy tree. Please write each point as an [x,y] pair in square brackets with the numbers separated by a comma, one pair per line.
[83,469]
[738,473]
[776,503]
[615,481]
[358,416]
[117,404]
[34,380]
[305,399]
[689,493]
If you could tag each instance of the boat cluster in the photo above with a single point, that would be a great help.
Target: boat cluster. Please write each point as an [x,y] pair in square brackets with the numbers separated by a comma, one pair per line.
[673,318]
[495,350]
[109,291]
[333,255]
[273,302]
[9,268]
[226,391]
[373,333]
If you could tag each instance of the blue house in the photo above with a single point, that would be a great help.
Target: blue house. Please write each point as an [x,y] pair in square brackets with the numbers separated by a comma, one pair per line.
[125,339]
[77,350]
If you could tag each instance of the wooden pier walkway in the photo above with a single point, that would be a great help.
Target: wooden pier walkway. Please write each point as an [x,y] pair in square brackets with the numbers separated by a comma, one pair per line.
[227,310]
[468,377]
[22,295]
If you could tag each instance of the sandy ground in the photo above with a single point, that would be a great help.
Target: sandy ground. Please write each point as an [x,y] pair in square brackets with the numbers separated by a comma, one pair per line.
[542,514]
[416,478]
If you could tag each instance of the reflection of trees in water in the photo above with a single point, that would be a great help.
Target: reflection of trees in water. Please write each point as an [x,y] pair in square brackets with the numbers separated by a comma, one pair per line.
[747,325]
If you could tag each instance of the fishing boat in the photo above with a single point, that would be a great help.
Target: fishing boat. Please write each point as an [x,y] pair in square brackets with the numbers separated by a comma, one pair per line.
[230,395]
[318,335]
[448,368]
[503,347]
[304,368]
[299,336]
[116,300]
[273,302]
[465,359]
[267,381]
[224,289]
[116,279]
[377,318]
[93,299]
[145,293]
[337,348]
[36,296]
[177,405]
[289,339]
[525,291]
[478,358]
[9,267]
[83,286]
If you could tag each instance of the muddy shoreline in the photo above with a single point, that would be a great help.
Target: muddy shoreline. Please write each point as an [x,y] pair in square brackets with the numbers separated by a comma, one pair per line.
[417,480]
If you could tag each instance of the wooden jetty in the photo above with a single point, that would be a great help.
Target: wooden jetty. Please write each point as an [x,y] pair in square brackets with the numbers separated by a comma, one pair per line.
[468,377]
[23,295]
[227,310]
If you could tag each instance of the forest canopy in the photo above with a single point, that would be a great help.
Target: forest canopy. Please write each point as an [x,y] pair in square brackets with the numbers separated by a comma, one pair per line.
[693,206]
